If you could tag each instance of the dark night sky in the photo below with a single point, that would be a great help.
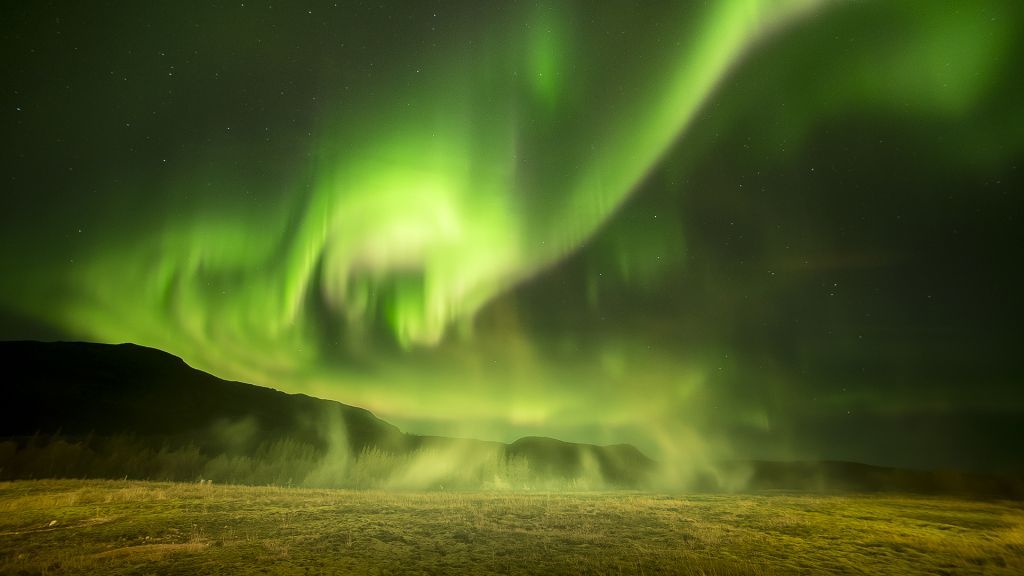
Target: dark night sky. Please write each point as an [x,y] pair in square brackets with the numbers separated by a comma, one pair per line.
[783,229]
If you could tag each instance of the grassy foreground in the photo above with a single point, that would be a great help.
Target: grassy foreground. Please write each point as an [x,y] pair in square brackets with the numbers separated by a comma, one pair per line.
[110,527]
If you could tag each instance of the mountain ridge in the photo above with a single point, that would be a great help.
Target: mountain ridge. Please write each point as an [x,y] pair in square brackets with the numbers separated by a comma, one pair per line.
[77,410]
[79,390]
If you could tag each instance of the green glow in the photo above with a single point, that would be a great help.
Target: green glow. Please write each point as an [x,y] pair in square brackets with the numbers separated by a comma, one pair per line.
[422,222]
[546,45]
[384,268]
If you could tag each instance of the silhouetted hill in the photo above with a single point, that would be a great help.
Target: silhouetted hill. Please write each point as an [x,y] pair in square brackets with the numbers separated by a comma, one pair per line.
[153,402]
[619,463]
[96,410]
[80,388]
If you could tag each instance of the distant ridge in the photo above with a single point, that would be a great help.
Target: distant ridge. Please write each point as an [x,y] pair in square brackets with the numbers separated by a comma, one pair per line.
[838,476]
[83,390]
[73,409]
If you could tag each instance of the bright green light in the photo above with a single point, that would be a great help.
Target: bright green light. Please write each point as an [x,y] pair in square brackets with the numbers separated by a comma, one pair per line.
[424,221]
[448,185]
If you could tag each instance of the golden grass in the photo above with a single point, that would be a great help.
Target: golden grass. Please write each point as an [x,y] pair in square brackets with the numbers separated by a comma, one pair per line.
[150,551]
[84,527]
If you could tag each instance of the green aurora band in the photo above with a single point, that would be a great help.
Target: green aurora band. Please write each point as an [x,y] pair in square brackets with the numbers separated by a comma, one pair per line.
[380,266]
[439,197]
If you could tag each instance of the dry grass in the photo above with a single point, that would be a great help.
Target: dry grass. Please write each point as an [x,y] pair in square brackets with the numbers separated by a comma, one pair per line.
[83,527]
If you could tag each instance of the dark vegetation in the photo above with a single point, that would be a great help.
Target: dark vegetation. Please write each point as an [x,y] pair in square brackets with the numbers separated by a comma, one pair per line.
[856,477]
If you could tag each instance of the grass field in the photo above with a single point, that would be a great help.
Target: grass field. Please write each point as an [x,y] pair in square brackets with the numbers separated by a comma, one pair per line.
[110,527]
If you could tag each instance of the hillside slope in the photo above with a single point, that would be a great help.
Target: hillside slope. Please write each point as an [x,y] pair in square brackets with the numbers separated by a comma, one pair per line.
[87,392]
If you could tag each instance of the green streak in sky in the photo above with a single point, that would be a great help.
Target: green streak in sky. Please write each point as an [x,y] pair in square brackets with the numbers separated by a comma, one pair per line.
[437,198]
[435,186]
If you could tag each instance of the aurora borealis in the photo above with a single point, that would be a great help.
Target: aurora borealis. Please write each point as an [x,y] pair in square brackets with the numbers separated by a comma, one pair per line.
[752,229]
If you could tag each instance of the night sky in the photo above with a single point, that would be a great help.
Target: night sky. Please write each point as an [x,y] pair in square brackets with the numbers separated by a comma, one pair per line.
[782,229]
